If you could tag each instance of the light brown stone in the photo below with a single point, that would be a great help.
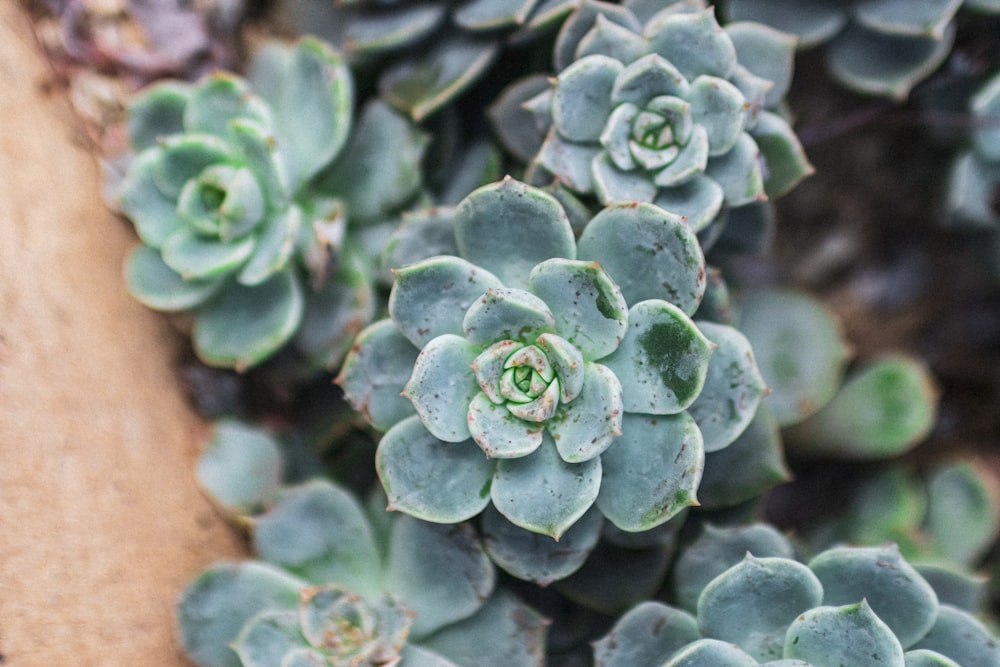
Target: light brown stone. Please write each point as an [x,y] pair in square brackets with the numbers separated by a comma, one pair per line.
[101,522]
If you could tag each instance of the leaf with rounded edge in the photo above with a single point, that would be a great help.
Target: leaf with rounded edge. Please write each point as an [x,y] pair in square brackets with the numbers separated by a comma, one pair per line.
[589,309]
[662,361]
[570,163]
[848,635]
[617,134]
[241,467]
[509,227]
[261,156]
[504,631]
[646,78]
[767,53]
[441,572]
[650,253]
[799,350]
[320,532]
[962,637]
[907,17]
[588,425]
[274,246]
[926,658]
[689,163]
[514,124]
[733,387]
[442,386]
[711,653]
[311,90]
[581,22]
[607,38]
[718,106]
[581,101]
[272,638]
[895,591]
[375,371]
[697,201]
[542,493]
[430,298]
[218,99]
[748,467]
[813,21]
[158,286]
[492,14]
[498,432]
[368,34]
[507,314]
[739,172]
[421,86]
[246,325]
[673,37]
[645,635]
[785,161]
[719,548]
[197,257]
[157,111]
[153,213]
[962,519]
[879,63]
[955,585]
[753,603]
[651,471]
[530,556]
[417,656]
[612,184]
[220,600]
[421,234]
[181,157]
[430,479]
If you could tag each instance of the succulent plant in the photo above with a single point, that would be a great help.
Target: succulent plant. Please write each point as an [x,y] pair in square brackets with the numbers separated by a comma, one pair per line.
[335,584]
[425,54]
[547,375]
[240,192]
[674,111]
[879,47]
[854,606]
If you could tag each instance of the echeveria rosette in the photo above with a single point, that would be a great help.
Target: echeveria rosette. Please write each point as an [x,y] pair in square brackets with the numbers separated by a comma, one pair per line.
[640,115]
[859,606]
[338,584]
[878,47]
[526,375]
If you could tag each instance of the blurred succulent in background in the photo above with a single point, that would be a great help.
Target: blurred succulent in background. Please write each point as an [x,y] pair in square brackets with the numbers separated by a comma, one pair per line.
[425,54]
[337,584]
[674,110]
[243,192]
[546,374]
[878,47]
[856,606]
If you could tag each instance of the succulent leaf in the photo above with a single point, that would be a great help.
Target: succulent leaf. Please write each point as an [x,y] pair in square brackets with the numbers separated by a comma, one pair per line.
[442,386]
[694,43]
[962,637]
[645,636]
[817,636]
[240,467]
[586,426]
[158,286]
[507,314]
[711,653]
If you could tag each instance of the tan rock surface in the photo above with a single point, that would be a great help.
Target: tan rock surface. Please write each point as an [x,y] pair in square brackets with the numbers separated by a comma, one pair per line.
[101,523]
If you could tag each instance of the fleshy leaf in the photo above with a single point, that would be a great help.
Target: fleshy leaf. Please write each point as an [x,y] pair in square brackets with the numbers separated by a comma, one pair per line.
[241,467]
[672,36]
[650,253]
[589,309]
[158,286]
[785,161]
[739,172]
[962,637]
[217,100]
[153,213]
[612,184]
[507,314]
[581,102]
[498,432]
[430,298]
[246,325]
[607,38]
[430,479]
[717,106]
[156,112]
[320,532]
[651,471]
[216,604]
[197,257]
[711,653]
[273,248]
[375,371]
[818,635]
[443,385]
[663,360]
[538,558]
[767,53]
[733,387]
[588,425]
[697,201]
[646,78]
[542,493]
[962,519]
[752,604]
[440,572]
[509,227]
[269,638]
[645,636]
[813,21]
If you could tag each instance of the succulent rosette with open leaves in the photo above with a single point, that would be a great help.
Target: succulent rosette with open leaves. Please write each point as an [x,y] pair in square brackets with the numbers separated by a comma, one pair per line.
[546,375]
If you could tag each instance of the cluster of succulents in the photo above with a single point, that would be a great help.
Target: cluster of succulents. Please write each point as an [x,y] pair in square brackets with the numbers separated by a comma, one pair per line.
[881,47]
[535,346]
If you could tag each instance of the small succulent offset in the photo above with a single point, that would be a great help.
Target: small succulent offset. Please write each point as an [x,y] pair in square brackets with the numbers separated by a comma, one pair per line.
[339,585]
[859,606]
[236,193]
[674,110]
[547,374]
[879,47]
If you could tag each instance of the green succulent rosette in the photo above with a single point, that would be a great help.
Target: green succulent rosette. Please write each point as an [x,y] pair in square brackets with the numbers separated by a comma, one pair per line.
[239,195]
[674,110]
[338,584]
[882,47]
[547,375]
[859,606]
